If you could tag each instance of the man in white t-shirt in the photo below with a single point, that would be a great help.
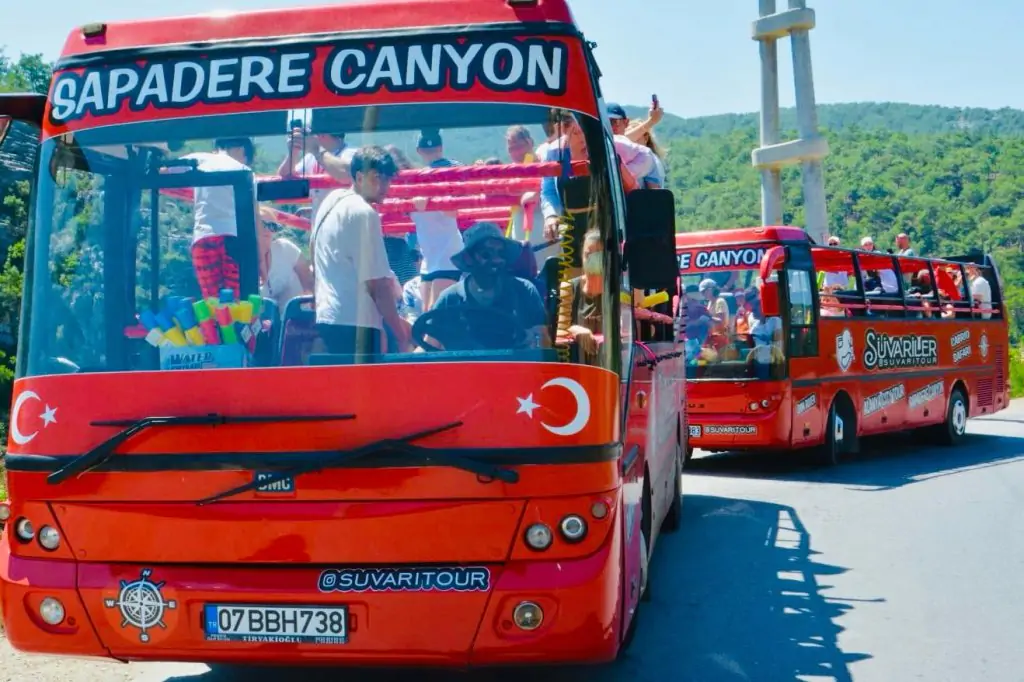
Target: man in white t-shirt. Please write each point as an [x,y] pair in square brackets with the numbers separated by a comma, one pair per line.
[981,291]
[215,231]
[354,287]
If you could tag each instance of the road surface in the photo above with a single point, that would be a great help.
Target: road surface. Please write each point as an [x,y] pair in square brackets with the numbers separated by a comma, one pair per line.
[904,564]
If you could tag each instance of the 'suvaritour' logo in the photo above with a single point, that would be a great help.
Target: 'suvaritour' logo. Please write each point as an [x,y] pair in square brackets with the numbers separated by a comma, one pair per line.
[882,351]
[537,65]
[418,579]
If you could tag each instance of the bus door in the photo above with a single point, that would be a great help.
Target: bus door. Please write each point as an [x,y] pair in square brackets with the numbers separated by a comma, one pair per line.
[802,345]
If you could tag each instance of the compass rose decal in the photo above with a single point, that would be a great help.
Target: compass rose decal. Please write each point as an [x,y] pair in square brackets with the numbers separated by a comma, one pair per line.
[142,604]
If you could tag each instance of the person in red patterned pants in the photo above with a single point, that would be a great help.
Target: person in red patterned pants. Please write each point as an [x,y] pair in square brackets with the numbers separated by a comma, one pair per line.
[215,235]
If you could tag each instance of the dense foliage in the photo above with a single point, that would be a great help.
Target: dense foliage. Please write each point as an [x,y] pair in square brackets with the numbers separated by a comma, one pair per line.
[951,178]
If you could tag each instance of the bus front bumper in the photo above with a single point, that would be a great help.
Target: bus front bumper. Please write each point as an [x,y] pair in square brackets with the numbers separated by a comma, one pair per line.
[163,613]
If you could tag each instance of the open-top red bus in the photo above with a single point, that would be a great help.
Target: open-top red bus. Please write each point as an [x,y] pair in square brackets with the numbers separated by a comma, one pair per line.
[251,498]
[793,345]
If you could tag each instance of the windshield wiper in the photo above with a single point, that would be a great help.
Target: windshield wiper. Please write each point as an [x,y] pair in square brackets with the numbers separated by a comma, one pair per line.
[400,445]
[107,449]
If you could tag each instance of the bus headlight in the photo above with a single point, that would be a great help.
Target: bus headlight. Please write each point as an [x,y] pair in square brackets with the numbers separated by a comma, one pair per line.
[538,536]
[24,530]
[49,538]
[573,528]
[752,406]
[5,512]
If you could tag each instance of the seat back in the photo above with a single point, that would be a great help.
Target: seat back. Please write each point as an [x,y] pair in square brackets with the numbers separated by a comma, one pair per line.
[298,331]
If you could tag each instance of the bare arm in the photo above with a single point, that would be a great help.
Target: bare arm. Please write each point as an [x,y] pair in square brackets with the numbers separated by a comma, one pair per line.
[304,273]
[338,167]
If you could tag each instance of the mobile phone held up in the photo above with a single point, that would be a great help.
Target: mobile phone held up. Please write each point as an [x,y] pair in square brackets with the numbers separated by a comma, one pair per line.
[654,101]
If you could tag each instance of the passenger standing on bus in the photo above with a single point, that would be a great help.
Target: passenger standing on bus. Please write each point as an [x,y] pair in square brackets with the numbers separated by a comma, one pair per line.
[766,333]
[718,310]
[903,244]
[981,290]
[588,298]
[215,222]
[355,289]
[527,223]
[567,201]
[288,271]
[437,232]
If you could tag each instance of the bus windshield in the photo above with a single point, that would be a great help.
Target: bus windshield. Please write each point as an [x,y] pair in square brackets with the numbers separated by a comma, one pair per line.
[141,226]
[727,335]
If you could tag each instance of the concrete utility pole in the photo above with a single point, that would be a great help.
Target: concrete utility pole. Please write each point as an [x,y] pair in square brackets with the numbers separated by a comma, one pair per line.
[810,148]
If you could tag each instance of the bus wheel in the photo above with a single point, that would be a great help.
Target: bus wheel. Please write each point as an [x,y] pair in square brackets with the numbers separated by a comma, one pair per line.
[675,513]
[952,431]
[835,435]
[646,526]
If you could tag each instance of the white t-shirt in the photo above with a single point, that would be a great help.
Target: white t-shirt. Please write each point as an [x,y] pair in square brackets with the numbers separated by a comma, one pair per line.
[438,238]
[283,283]
[981,292]
[836,279]
[348,251]
[214,207]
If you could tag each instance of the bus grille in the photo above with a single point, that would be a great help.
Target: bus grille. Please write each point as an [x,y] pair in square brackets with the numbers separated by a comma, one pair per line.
[985,392]
[997,357]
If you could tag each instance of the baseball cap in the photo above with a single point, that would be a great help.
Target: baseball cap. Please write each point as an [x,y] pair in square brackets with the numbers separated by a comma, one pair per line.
[429,139]
[615,111]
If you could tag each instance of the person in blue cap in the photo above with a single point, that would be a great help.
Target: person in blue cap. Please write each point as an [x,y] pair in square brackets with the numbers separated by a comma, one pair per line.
[437,232]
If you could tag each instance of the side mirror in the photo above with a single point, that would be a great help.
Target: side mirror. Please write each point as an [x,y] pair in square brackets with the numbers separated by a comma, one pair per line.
[651,240]
[770,299]
[5,126]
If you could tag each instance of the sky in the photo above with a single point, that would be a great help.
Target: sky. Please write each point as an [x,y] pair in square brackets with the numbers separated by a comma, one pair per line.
[697,55]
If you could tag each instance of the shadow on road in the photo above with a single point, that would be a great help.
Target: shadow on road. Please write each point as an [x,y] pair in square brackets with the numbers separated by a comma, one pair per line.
[737,595]
[892,461]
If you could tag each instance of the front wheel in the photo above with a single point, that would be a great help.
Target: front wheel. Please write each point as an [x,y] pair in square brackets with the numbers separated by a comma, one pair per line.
[835,436]
[674,517]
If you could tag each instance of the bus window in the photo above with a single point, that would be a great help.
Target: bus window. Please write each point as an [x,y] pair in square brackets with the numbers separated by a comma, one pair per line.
[803,332]
[838,288]
[881,285]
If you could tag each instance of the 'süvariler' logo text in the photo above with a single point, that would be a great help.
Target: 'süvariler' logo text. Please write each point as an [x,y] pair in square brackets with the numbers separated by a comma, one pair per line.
[882,351]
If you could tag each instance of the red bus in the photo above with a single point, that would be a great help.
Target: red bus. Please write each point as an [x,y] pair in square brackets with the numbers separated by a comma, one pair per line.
[251,497]
[793,345]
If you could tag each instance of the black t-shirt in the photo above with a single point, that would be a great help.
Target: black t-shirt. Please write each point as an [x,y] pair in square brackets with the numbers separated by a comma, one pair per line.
[515,296]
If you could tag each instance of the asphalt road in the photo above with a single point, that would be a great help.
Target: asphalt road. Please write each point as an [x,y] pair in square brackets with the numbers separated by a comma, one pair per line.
[904,564]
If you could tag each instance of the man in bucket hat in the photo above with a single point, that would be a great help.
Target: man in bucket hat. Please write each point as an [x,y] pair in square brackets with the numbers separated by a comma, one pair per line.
[487,256]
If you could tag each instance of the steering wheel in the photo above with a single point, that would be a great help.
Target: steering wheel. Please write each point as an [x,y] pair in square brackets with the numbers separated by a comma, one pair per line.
[457,328]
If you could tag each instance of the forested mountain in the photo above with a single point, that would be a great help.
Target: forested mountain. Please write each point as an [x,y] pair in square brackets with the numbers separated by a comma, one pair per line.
[953,179]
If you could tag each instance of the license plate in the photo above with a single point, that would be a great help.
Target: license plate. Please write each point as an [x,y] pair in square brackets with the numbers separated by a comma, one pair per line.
[276,624]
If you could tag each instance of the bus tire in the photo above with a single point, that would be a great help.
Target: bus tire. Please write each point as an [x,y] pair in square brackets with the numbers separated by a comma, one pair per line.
[954,428]
[645,540]
[674,517]
[838,426]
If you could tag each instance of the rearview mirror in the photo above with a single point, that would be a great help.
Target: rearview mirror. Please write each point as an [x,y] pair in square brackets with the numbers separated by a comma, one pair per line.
[5,125]
[651,240]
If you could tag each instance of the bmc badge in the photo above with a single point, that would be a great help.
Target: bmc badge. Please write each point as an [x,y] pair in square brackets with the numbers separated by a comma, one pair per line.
[142,604]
